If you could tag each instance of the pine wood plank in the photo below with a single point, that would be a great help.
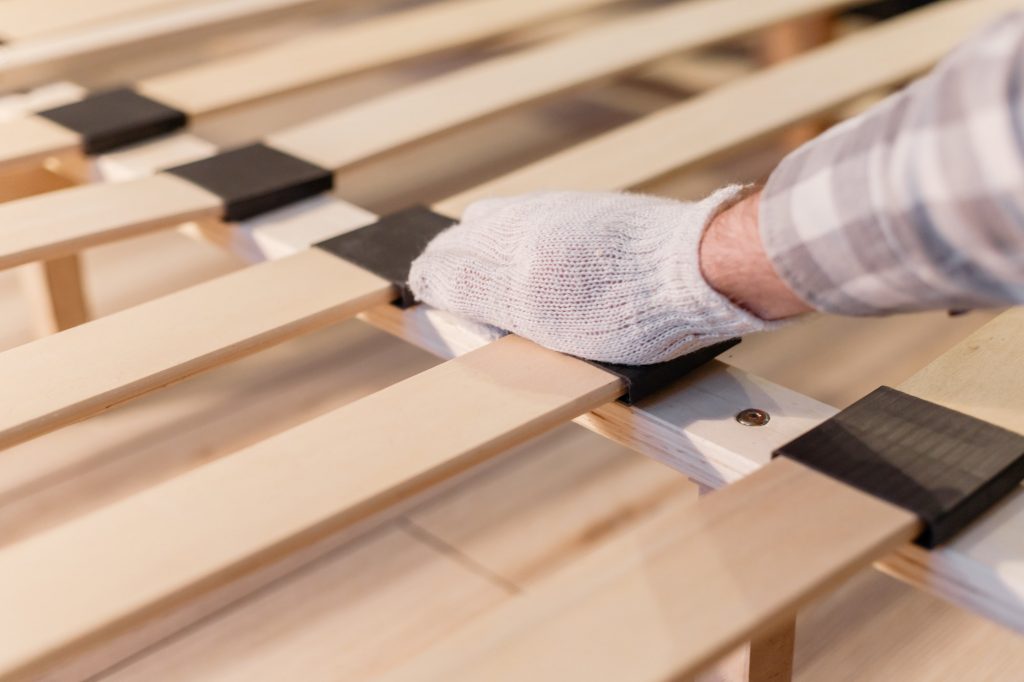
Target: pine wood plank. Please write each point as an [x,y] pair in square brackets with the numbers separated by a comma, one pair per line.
[548,502]
[390,38]
[279,508]
[241,79]
[840,71]
[20,19]
[334,619]
[526,76]
[152,355]
[25,62]
[63,222]
[697,584]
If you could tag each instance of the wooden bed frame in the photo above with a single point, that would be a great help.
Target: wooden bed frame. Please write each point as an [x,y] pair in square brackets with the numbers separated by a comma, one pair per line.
[746,558]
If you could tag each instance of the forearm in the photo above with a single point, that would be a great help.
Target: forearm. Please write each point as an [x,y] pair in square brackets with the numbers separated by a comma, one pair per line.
[733,261]
[918,203]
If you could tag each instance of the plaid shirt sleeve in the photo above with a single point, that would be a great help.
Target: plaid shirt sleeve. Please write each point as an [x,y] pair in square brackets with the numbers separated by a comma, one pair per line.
[919,202]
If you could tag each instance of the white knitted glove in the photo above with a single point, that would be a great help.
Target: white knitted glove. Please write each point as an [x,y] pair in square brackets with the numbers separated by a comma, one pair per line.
[603,276]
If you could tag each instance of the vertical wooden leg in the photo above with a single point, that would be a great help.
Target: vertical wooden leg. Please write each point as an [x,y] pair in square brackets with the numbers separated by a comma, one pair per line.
[787,40]
[771,655]
[56,294]
[767,658]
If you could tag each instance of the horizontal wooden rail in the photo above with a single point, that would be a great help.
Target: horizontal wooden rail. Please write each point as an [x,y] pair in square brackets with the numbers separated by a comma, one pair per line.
[371,128]
[29,61]
[623,158]
[750,555]
[220,84]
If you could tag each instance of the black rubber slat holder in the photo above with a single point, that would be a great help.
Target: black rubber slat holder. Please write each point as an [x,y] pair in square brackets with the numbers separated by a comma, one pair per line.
[115,118]
[256,179]
[944,466]
[388,247]
[644,380]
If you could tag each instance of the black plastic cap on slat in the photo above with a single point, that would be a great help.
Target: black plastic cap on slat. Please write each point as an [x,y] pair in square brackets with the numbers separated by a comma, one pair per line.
[256,179]
[115,118]
[388,247]
[944,466]
[644,380]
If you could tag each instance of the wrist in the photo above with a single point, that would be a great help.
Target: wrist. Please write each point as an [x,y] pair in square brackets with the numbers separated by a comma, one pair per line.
[733,261]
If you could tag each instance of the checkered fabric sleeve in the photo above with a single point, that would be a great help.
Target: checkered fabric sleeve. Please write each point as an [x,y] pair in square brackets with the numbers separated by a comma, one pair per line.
[919,202]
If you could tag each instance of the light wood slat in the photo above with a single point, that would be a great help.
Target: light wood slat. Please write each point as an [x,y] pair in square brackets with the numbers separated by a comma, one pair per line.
[26,61]
[97,379]
[889,53]
[330,53]
[517,79]
[303,488]
[28,141]
[697,585]
[63,222]
[20,19]
[270,71]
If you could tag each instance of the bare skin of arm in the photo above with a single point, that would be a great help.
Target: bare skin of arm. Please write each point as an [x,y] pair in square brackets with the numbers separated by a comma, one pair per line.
[734,262]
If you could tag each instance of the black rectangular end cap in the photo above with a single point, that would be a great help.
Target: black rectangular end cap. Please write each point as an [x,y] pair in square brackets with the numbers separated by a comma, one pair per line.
[388,247]
[255,179]
[115,118]
[644,380]
[946,467]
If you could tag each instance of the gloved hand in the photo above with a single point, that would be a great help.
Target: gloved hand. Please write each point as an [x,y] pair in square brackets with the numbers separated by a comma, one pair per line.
[604,276]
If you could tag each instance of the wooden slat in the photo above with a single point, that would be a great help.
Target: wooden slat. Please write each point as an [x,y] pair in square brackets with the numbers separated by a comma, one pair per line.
[527,76]
[280,507]
[241,79]
[599,491]
[252,312]
[229,82]
[63,222]
[26,61]
[28,141]
[720,119]
[699,584]
[20,19]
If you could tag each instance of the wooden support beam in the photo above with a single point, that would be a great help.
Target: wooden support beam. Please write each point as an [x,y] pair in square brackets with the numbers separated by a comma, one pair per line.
[56,294]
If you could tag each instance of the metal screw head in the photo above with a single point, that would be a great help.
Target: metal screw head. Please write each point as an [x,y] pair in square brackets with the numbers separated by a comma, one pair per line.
[753,417]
